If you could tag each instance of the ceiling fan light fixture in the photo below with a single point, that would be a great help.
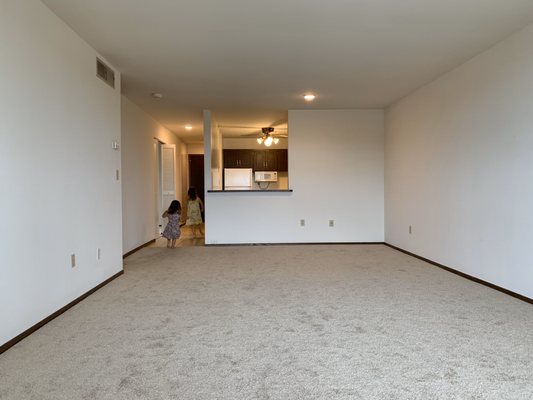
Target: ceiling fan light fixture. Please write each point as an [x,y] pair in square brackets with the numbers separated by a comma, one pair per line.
[267,138]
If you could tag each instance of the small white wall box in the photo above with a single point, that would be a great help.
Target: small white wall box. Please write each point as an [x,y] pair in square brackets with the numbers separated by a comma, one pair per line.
[266,176]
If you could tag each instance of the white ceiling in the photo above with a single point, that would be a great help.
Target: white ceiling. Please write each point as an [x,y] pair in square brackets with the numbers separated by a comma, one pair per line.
[249,61]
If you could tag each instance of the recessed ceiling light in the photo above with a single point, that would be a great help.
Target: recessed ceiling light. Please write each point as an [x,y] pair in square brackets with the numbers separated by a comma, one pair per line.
[188,127]
[157,96]
[309,97]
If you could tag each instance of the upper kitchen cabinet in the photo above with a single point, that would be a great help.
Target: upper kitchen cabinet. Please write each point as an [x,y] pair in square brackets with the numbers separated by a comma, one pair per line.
[258,160]
[282,160]
[265,160]
[238,158]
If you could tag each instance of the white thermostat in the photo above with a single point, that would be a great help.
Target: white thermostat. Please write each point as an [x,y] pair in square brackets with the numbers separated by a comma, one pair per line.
[266,176]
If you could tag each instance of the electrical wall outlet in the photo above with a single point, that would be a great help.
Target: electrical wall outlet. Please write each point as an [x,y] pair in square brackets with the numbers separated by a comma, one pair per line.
[73,260]
[98,253]
[410,229]
[302,222]
[331,223]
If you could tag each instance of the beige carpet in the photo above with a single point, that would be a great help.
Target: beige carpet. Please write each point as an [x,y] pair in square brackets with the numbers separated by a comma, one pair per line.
[280,322]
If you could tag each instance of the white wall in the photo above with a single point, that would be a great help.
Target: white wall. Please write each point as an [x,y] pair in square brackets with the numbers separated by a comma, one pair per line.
[216,156]
[195,148]
[139,180]
[336,172]
[213,153]
[208,184]
[59,194]
[459,167]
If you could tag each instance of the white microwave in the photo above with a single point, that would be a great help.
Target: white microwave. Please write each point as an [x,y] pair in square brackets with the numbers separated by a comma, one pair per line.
[266,176]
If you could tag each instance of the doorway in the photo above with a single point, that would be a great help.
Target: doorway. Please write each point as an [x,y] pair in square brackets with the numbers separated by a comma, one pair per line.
[167,188]
[196,175]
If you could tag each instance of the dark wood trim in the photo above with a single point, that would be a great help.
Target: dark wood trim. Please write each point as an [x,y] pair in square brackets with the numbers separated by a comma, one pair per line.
[290,244]
[129,253]
[462,274]
[43,322]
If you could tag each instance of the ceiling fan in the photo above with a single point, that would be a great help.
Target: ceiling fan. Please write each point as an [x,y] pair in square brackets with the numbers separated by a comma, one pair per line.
[269,136]
[266,135]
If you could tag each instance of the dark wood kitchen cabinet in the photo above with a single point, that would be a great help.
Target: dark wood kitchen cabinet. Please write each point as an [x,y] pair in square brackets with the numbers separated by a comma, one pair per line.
[258,160]
[265,160]
[238,158]
[283,160]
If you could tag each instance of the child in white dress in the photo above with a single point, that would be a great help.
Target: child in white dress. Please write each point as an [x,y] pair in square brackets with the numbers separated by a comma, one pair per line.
[194,211]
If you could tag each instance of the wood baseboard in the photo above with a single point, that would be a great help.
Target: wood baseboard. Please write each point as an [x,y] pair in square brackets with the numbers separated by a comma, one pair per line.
[129,253]
[462,274]
[43,322]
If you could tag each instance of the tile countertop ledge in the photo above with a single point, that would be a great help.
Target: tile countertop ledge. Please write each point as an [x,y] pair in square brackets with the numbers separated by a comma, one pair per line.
[250,191]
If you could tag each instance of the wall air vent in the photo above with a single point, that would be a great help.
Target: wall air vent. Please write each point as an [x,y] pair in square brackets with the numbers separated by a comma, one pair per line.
[105,73]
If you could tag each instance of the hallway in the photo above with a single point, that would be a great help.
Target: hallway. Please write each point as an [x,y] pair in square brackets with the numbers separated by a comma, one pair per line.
[186,240]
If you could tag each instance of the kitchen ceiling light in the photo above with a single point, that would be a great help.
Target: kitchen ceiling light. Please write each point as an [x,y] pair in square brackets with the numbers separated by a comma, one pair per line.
[157,96]
[188,127]
[309,97]
[267,139]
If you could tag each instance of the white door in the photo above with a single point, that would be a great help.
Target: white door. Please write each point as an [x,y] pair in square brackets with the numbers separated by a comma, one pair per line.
[168,174]
[158,201]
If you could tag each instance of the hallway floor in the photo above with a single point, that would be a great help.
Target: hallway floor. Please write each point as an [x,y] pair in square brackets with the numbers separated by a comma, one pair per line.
[186,240]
